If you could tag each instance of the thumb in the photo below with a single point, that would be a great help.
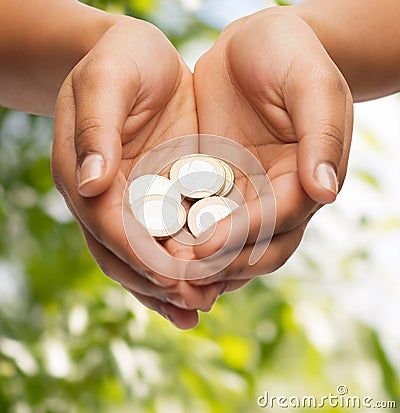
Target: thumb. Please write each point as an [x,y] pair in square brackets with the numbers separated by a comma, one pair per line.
[102,106]
[321,109]
[287,60]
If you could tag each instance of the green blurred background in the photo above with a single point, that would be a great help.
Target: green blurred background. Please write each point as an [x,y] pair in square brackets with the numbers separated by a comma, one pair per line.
[73,341]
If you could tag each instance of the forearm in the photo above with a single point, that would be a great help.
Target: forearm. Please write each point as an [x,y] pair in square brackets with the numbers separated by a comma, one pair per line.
[363,38]
[40,42]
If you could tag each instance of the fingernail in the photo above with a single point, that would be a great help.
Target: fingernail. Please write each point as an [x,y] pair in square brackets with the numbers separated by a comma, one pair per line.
[92,168]
[177,300]
[326,176]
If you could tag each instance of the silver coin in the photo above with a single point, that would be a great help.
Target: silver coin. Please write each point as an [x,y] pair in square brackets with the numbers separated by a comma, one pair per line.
[152,184]
[162,216]
[206,212]
[198,176]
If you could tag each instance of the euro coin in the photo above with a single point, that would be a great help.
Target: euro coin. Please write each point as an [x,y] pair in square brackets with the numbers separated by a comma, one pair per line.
[152,185]
[198,176]
[206,212]
[161,215]
[229,179]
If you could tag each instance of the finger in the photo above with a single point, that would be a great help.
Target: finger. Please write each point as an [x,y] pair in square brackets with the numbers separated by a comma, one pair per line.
[236,285]
[275,256]
[102,105]
[120,272]
[209,292]
[102,215]
[181,294]
[182,319]
[303,97]
[110,83]
[110,233]
[128,239]
[238,228]
[290,203]
[321,110]
[178,249]
[319,103]
[201,297]
[279,251]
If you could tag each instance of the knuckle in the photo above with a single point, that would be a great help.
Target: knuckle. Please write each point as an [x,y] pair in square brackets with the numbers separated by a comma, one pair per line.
[335,84]
[326,77]
[92,70]
[332,137]
[89,124]
[86,135]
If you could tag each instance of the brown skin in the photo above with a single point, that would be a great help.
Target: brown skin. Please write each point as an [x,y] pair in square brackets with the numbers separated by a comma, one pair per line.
[271,82]
[40,42]
[142,109]
[361,36]
[290,112]
[146,105]
[281,95]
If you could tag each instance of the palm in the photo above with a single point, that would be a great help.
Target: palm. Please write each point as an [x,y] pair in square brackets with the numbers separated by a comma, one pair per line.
[166,111]
[159,105]
[234,111]
[253,87]
[239,92]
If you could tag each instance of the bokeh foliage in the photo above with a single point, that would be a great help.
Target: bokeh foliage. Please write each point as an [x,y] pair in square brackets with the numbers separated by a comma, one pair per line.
[73,341]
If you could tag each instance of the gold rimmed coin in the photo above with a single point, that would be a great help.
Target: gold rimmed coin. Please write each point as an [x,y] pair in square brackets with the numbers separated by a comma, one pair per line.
[229,179]
[206,212]
[161,215]
[198,176]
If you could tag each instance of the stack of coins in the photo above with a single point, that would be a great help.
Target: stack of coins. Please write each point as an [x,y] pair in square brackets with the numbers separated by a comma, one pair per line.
[202,179]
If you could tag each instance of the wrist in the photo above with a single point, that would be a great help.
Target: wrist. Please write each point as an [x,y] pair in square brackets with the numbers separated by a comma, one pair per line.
[345,28]
[85,27]
[322,26]
[36,60]
[309,15]
[325,28]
